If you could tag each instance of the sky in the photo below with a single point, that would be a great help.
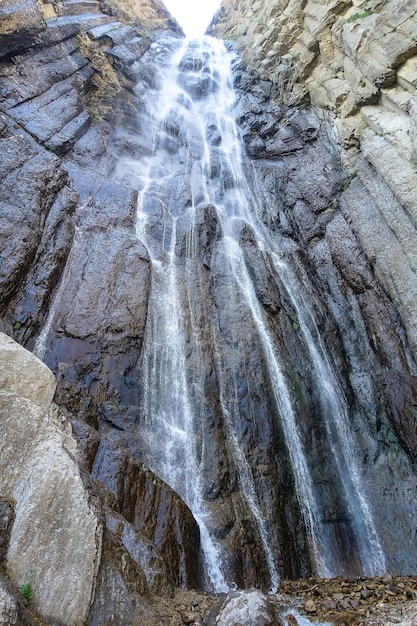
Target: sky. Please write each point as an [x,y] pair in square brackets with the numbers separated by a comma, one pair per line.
[193,16]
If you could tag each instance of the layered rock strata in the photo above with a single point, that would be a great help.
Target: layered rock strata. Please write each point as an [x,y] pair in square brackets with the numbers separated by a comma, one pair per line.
[356,64]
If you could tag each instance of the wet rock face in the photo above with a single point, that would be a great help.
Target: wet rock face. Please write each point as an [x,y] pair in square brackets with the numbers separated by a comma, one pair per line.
[358,68]
[138,510]
[196,76]
[272,131]
[39,212]
[298,201]
[36,225]
[101,313]
[401,392]
[149,505]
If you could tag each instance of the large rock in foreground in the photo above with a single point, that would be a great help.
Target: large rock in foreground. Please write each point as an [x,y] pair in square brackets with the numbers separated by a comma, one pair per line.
[250,607]
[55,541]
[88,545]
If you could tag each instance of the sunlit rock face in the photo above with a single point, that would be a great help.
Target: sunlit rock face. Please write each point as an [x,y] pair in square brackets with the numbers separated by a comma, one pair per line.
[223,319]
[39,476]
[245,607]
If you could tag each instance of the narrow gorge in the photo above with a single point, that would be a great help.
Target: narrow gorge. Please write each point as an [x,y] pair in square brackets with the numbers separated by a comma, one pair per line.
[211,244]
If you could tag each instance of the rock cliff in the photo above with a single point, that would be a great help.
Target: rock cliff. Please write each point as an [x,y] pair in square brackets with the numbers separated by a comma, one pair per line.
[75,502]
[83,524]
[326,105]
[355,63]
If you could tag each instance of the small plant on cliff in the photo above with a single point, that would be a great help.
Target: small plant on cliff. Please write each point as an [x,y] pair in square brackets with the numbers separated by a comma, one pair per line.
[358,16]
[94,115]
[349,180]
[26,591]
[17,327]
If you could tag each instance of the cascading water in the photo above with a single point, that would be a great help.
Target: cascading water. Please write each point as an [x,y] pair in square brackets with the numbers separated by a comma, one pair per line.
[335,413]
[209,335]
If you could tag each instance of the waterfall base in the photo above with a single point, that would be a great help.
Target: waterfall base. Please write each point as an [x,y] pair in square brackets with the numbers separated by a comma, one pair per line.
[370,602]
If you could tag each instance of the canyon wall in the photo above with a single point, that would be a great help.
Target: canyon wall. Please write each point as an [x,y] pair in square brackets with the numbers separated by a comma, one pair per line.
[85,525]
[326,105]
[355,63]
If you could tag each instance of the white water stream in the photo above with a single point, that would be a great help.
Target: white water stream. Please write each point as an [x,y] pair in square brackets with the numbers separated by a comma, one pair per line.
[194,103]
[335,414]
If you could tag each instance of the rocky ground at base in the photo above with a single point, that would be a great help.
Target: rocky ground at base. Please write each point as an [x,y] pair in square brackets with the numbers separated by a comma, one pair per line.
[371,601]
[381,601]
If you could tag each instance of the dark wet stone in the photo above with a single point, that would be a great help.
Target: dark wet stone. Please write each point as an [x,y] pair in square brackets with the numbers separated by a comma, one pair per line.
[121,587]
[56,117]
[48,69]
[154,509]
[7,514]
[31,180]
[401,393]
[20,25]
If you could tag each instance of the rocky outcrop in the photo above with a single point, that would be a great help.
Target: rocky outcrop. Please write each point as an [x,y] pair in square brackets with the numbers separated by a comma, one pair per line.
[56,532]
[251,608]
[20,24]
[84,543]
[356,63]
[137,500]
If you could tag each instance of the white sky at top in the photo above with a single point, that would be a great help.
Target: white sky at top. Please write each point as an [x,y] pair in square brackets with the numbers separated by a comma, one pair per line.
[193,15]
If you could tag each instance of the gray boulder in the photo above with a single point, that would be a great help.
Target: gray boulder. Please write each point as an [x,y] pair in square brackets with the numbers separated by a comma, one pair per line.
[243,608]
[55,540]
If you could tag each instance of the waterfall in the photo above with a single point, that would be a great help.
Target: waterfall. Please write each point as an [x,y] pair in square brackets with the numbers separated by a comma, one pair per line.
[207,327]
[335,413]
